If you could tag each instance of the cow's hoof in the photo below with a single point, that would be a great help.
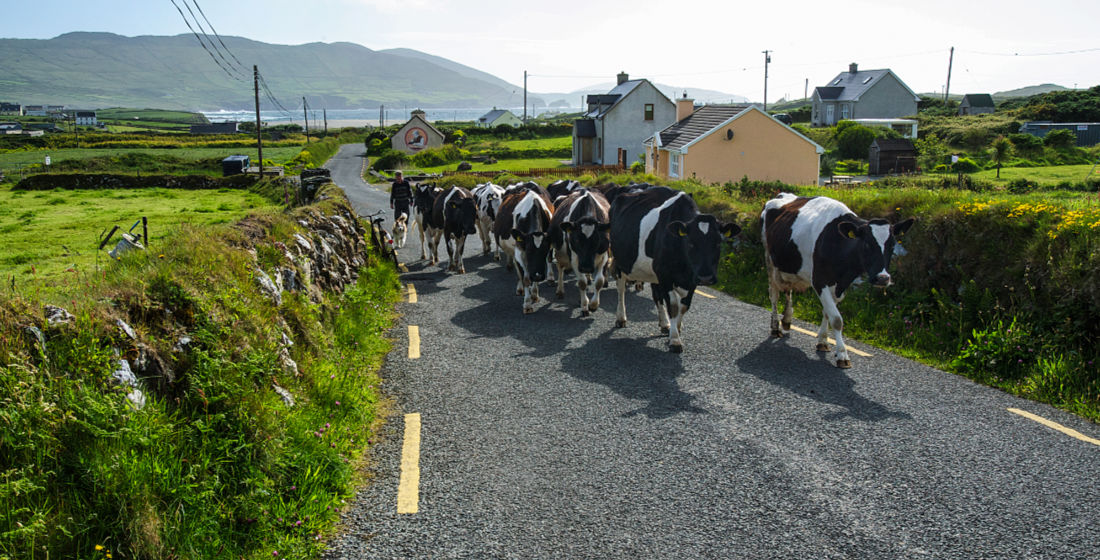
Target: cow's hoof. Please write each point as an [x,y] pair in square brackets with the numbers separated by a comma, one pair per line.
[561,295]
[665,330]
[844,364]
[676,348]
[786,325]
[776,333]
[528,310]
[462,271]
[585,313]
[822,347]
[593,307]
[620,324]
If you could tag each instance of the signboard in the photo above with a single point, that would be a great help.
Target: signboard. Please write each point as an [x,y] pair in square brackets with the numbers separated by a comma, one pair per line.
[954,159]
[47,160]
[416,139]
[1082,127]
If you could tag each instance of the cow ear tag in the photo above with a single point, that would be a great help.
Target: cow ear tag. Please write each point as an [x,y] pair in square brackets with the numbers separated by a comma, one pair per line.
[683,233]
[851,234]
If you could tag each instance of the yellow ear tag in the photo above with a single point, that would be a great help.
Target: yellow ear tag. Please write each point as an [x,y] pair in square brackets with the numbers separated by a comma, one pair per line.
[851,234]
[683,234]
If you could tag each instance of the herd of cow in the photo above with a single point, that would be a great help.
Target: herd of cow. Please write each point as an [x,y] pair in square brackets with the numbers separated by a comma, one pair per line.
[641,233]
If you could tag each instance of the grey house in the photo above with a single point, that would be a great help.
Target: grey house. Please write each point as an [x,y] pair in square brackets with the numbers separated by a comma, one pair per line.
[862,94]
[616,123]
[976,104]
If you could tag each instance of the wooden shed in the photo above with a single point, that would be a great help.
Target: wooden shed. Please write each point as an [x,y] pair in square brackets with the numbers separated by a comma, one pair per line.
[892,155]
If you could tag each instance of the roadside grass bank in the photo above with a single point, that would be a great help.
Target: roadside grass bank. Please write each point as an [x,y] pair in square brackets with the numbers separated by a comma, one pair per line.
[255,412]
[184,161]
[999,287]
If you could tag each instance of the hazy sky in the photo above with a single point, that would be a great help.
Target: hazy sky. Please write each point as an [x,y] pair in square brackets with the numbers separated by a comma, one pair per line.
[570,44]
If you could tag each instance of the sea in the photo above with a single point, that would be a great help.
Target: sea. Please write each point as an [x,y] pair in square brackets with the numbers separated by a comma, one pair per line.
[338,118]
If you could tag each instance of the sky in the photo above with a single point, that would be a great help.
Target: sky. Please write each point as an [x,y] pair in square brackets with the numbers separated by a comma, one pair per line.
[566,45]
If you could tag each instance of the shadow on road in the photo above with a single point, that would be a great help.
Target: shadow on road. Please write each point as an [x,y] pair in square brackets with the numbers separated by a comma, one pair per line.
[635,370]
[780,364]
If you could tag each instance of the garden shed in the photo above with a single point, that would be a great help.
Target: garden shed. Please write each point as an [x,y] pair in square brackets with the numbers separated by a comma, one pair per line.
[892,155]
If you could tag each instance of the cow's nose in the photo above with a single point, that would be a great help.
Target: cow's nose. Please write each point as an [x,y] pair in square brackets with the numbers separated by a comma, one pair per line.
[882,279]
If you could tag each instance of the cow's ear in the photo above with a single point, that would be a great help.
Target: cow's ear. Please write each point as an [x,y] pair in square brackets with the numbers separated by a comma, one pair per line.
[848,229]
[678,228]
[729,230]
[900,228]
[518,236]
[567,227]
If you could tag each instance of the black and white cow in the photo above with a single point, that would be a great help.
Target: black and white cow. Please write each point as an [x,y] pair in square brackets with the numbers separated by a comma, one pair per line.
[488,197]
[522,228]
[561,188]
[659,236]
[423,200]
[819,243]
[579,234]
[453,217]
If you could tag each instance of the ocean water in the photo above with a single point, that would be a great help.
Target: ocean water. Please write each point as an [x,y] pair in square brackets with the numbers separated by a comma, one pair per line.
[360,117]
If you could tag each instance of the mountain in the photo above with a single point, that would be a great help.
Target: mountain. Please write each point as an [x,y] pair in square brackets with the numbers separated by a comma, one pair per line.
[96,70]
[700,95]
[1028,91]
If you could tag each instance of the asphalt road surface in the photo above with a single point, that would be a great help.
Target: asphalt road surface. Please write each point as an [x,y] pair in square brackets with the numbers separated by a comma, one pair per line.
[553,436]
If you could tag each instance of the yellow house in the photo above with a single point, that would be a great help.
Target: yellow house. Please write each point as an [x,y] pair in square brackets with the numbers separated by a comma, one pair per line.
[720,143]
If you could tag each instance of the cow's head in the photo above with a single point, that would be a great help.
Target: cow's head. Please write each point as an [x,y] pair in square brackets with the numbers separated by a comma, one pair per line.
[587,239]
[536,250]
[424,195]
[875,242]
[701,243]
[463,212]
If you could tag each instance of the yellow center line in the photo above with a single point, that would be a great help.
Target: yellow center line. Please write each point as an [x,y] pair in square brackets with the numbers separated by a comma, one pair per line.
[414,342]
[830,341]
[1054,425]
[412,293]
[408,490]
[704,294]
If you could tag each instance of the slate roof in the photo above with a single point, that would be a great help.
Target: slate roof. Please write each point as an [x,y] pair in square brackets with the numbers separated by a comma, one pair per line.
[979,100]
[894,144]
[492,115]
[849,86]
[607,101]
[698,124]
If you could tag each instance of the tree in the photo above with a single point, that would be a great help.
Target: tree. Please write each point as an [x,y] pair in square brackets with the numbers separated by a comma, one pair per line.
[932,150]
[999,152]
[853,140]
[1060,138]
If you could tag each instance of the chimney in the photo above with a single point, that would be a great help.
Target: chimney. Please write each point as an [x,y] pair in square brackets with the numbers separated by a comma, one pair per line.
[623,77]
[685,106]
[853,68]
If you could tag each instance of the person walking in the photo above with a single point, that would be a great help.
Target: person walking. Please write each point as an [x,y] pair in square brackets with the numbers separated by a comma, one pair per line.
[400,196]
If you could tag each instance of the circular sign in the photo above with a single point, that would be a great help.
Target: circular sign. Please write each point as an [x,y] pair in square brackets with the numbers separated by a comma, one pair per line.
[416,139]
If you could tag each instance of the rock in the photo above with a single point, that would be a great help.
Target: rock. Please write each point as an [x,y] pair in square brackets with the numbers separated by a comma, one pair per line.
[287,363]
[287,397]
[268,287]
[37,337]
[149,365]
[57,316]
[136,398]
[126,329]
[182,345]
[124,375]
[302,242]
[289,278]
[465,166]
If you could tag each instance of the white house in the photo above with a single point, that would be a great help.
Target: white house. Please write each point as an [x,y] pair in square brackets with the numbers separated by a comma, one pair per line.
[616,124]
[862,94]
[497,117]
[86,118]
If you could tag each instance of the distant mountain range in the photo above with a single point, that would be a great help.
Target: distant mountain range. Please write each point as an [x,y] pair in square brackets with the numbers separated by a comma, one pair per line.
[98,70]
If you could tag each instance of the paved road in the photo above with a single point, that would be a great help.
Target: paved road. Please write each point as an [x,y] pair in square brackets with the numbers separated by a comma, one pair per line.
[552,436]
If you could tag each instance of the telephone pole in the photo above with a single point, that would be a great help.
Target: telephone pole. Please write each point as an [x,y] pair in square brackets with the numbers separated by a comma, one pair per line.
[524,97]
[767,59]
[259,139]
[324,112]
[305,118]
[947,89]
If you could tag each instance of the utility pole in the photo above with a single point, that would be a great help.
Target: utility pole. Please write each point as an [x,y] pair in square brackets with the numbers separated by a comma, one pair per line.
[767,59]
[524,97]
[947,89]
[259,139]
[806,90]
[305,118]
[381,122]
[324,112]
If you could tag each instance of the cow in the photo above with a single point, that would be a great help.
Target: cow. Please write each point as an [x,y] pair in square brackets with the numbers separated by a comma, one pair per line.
[659,236]
[819,243]
[579,234]
[521,229]
[489,198]
[453,217]
[561,188]
[423,199]
[400,229]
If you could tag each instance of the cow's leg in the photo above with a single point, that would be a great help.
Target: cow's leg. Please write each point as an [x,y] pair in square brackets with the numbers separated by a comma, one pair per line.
[519,279]
[559,256]
[833,320]
[773,293]
[530,296]
[678,304]
[788,311]
[460,246]
[450,252]
[620,311]
[584,281]
[661,299]
[595,284]
[483,233]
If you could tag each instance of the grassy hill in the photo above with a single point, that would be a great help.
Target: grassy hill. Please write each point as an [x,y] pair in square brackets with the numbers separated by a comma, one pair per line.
[106,70]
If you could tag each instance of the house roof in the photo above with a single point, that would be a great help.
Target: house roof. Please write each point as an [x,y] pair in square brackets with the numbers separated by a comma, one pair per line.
[978,100]
[698,124]
[418,115]
[606,102]
[849,86]
[707,119]
[894,144]
[492,115]
[585,128]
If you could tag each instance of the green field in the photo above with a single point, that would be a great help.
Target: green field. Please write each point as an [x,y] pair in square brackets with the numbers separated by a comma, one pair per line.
[13,161]
[1048,175]
[502,165]
[50,237]
[535,144]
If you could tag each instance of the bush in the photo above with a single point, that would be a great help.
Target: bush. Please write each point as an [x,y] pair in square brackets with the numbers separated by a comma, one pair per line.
[1060,139]
[377,146]
[853,140]
[442,155]
[1026,144]
[391,159]
[965,165]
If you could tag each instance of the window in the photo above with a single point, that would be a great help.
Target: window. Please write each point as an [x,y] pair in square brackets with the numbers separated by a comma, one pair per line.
[829,115]
[648,111]
[673,164]
[844,112]
[867,79]
[836,81]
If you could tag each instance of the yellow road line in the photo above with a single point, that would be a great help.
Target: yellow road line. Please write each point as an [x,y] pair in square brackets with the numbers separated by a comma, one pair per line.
[831,341]
[412,293]
[704,294]
[408,491]
[1054,425]
[414,342]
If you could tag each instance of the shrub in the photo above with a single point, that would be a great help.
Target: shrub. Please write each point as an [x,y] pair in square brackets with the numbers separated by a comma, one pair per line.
[442,155]
[1060,139]
[853,141]
[391,159]
[1026,144]
[965,165]
[997,352]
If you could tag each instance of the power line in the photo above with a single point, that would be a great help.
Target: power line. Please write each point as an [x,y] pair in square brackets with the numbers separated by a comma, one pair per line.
[1057,53]
[239,63]
[240,70]
[201,42]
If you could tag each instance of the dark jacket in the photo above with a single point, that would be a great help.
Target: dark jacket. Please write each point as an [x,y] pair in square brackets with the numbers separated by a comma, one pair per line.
[401,193]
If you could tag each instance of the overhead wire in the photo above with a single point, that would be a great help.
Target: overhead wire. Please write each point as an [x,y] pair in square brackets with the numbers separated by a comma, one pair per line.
[242,72]
[201,42]
[239,63]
